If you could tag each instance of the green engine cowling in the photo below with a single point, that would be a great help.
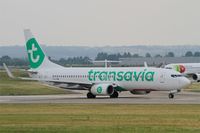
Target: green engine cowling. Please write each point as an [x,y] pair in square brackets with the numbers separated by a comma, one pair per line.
[102,89]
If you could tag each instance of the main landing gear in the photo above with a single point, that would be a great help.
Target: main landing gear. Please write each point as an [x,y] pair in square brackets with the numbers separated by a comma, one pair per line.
[90,95]
[114,95]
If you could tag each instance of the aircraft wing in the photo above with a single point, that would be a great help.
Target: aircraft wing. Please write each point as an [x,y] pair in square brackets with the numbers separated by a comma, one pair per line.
[57,83]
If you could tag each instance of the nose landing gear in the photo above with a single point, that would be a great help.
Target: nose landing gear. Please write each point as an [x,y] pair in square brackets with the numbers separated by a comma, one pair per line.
[171,96]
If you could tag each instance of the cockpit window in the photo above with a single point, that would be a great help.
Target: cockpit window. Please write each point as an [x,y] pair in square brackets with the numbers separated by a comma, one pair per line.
[176,75]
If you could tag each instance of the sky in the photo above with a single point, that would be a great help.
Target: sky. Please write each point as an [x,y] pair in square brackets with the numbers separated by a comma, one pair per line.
[101,22]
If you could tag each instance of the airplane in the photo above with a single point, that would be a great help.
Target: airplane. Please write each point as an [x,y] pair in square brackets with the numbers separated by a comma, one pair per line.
[190,70]
[106,81]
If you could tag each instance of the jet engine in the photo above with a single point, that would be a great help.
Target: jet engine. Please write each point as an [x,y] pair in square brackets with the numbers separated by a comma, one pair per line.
[102,89]
[140,92]
[196,77]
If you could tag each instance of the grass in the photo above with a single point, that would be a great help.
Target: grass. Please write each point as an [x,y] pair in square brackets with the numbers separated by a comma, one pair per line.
[19,87]
[111,118]
[194,87]
[86,118]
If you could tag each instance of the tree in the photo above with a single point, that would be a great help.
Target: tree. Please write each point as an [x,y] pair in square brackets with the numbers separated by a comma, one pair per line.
[6,59]
[170,54]
[112,57]
[148,55]
[119,55]
[101,56]
[158,55]
[13,61]
[129,55]
[188,54]
[135,55]
[62,61]
[197,54]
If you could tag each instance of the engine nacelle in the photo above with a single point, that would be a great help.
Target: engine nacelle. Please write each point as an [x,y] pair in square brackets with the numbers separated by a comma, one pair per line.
[140,92]
[196,77]
[102,89]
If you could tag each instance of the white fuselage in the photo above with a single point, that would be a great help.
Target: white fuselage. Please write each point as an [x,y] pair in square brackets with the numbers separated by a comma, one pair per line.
[129,78]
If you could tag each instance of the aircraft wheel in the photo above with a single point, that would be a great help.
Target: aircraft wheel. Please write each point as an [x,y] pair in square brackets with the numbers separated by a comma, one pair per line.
[171,96]
[90,95]
[114,95]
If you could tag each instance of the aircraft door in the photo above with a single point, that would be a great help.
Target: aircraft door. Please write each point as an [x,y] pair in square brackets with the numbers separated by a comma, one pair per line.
[162,78]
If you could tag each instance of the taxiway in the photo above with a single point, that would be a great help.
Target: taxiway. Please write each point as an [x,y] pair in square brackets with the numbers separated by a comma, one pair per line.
[124,98]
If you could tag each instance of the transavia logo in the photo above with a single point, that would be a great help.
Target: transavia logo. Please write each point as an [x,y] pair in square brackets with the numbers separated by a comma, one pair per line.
[99,89]
[31,52]
[35,54]
[143,75]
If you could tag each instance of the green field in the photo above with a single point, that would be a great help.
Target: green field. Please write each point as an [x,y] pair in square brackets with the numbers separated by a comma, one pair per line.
[18,87]
[195,87]
[101,118]
[90,118]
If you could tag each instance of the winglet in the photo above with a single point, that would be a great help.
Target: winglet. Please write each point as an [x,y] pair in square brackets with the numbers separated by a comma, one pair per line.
[8,71]
[145,64]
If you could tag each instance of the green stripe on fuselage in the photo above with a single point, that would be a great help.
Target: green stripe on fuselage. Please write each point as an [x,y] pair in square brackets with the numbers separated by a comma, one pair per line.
[118,88]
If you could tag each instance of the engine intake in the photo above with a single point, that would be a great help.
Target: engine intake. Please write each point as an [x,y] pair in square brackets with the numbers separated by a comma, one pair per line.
[196,77]
[102,89]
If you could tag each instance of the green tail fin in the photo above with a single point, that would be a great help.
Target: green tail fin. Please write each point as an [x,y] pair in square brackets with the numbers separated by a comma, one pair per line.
[35,53]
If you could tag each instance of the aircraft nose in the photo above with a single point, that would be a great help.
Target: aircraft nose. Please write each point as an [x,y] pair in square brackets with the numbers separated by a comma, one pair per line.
[185,82]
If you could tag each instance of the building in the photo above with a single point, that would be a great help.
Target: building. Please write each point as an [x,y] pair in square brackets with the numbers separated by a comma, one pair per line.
[157,61]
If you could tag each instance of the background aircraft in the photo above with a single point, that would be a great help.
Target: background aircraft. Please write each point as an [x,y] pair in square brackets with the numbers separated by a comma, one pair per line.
[190,70]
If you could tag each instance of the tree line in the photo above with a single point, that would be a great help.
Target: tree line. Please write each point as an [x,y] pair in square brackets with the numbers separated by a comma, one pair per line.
[13,61]
[103,55]
[87,61]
